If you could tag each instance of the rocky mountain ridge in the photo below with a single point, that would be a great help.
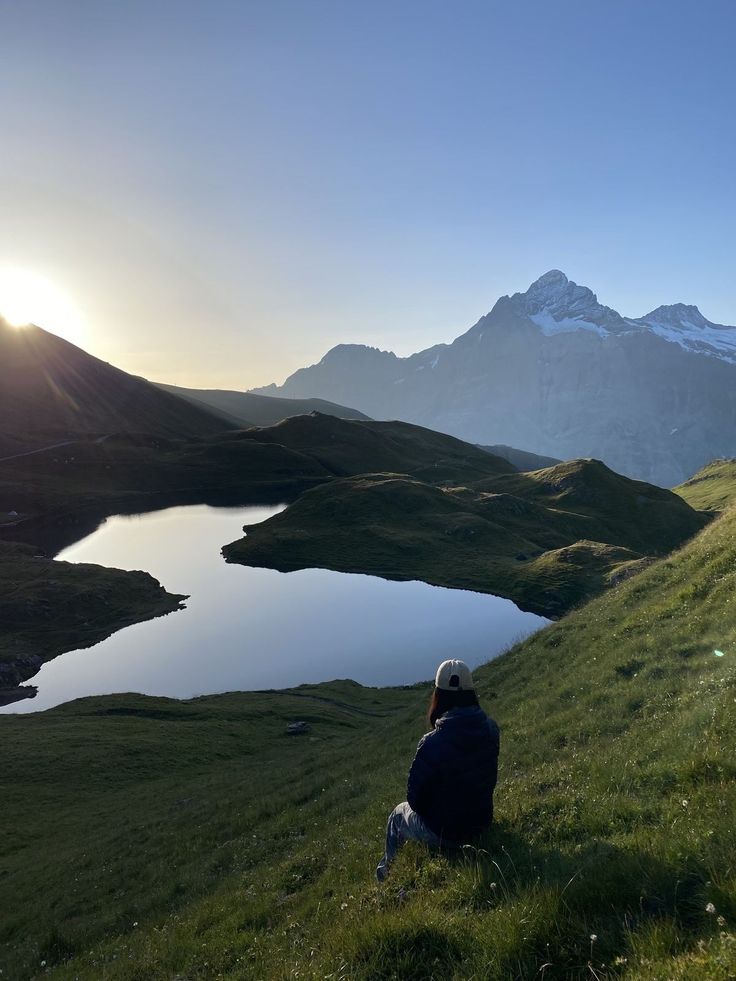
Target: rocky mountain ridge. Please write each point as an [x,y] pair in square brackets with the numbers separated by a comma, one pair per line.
[559,373]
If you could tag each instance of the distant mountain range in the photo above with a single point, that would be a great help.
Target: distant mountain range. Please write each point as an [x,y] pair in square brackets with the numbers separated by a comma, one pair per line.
[247,409]
[560,374]
[51,390]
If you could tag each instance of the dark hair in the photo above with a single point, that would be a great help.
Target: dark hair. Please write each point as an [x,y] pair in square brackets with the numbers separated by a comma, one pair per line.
[442,701]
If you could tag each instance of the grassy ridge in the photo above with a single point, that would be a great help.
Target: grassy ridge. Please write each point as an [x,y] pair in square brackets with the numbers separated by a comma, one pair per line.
[197,840]
[711,489]
[547,540]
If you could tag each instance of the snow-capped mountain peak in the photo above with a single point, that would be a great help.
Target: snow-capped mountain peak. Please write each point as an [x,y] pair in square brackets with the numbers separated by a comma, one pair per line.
[684,324]
[677,314]
[558,305]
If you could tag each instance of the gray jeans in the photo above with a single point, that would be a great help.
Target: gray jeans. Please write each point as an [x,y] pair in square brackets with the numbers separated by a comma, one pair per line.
[403,825]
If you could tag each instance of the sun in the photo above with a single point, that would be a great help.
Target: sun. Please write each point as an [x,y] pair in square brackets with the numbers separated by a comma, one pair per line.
[26,297]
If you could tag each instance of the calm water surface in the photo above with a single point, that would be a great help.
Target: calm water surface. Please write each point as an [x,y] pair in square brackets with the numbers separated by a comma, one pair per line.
[249,629]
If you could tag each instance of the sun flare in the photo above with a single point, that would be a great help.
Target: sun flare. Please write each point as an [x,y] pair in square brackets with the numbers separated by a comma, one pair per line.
[26,297]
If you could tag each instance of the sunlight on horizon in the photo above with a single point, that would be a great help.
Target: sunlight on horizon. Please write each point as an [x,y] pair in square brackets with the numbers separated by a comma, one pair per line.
[27,297]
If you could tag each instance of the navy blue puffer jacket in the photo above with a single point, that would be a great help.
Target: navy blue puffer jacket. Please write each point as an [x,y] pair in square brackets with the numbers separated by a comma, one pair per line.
[453,775]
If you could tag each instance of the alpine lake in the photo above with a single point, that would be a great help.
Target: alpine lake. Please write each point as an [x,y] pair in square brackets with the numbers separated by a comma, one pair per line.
[251,629]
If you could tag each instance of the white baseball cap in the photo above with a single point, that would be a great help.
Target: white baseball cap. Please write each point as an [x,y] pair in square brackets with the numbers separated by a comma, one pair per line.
[454,675]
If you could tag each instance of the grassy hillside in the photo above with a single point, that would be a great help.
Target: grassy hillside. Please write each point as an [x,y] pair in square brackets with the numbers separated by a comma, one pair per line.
[149,838]
[249,409]
[711,489]
[51,390]
[48,608]
[348,447]
[133,470]
[631,512]
[547,540]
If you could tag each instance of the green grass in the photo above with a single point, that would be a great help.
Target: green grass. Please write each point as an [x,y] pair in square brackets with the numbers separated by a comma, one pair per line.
[153,839]
[711,489]
[547,540]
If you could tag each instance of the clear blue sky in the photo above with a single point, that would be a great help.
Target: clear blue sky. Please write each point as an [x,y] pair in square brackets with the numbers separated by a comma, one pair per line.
[227,189]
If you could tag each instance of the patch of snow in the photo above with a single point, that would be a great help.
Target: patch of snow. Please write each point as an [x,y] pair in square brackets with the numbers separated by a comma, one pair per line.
[709,339]
[435,361]
[549,325]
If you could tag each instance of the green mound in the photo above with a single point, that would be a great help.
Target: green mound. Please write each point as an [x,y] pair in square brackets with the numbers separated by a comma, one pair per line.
[547,540]
[711,489]
[149,838]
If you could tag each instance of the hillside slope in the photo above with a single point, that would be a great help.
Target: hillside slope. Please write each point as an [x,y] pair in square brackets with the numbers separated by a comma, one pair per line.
[158,839]
[51,390]
[711,489]
[258,410]
[357,446]
[546,540]
[243,465]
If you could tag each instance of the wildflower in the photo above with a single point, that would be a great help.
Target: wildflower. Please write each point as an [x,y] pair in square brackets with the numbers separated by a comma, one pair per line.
[684,803]
[494,885]
[721,921]
[343,905]
[593,937]
[710,908]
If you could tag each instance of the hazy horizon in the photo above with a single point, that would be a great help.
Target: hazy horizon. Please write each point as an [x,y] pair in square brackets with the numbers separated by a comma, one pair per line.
[224,192]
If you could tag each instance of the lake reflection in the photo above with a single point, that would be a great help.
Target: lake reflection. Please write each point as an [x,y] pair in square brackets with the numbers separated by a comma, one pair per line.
[249,629]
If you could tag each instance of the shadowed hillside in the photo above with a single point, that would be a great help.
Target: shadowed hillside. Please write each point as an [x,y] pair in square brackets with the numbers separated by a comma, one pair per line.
[50,389]
[355,446]
[258,410]
[126,470]
[196,839]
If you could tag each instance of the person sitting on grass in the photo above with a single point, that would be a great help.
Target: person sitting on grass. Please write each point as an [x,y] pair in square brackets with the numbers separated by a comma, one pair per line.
[452,778]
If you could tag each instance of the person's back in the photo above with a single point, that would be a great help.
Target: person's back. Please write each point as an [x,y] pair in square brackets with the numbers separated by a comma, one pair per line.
[453,776]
